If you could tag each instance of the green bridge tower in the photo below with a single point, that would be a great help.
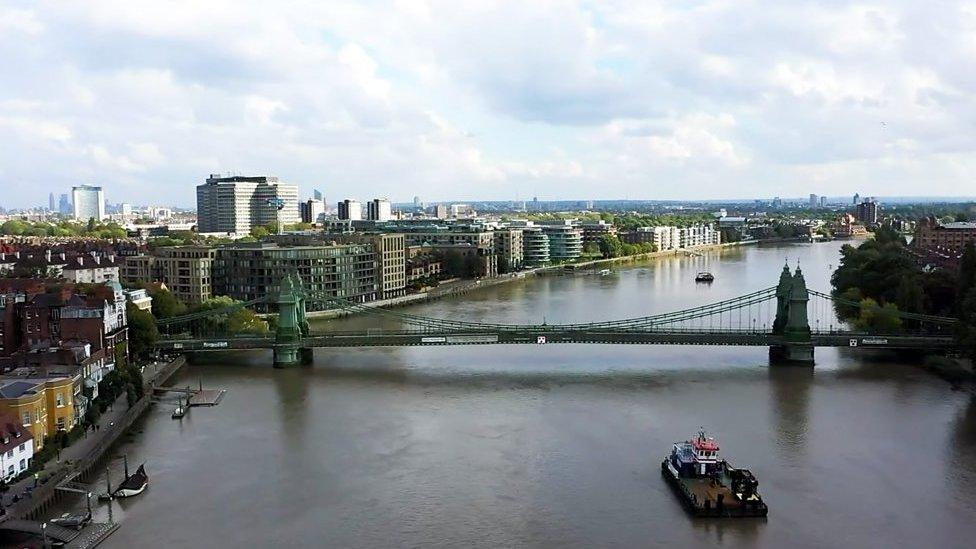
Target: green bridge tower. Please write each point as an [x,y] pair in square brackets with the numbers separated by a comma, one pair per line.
[292,324]
[791,320]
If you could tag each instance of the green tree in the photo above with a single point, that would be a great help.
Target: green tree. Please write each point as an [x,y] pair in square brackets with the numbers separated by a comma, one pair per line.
[876,318]
[14,227]
[229,320]
[165,304]
[142,331]
[610,246]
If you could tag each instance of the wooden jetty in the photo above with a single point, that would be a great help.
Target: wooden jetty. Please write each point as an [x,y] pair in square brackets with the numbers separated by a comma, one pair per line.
[196,397]
[207,397]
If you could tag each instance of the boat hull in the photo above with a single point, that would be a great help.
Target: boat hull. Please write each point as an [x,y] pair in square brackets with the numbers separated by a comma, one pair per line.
[129,492]
[698,509]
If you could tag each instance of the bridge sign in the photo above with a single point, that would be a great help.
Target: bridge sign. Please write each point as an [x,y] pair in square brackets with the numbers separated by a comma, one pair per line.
[541,340]
[853,343]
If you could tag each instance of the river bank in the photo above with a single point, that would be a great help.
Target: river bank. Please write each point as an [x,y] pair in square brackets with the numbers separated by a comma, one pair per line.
[461,287]
[78,462]
[958,372]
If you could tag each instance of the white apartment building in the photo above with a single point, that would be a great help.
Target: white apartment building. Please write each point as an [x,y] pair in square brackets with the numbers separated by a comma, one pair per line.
[89,202]
[236,204]
[672,238]
[351,210]
[379,209]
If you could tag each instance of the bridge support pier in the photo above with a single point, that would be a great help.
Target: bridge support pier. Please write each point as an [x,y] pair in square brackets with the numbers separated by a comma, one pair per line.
[792,353]
[292,325]
[791,321]
[290,355]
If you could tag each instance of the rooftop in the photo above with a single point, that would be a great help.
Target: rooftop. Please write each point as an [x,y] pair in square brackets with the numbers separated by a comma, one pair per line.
[17,389]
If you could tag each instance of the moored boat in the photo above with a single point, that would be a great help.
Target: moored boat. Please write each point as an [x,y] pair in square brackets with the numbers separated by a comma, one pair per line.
[180,409]
[76,521]
[133,484]
[709,486]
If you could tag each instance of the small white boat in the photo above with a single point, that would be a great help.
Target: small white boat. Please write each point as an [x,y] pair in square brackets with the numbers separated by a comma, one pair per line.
[180,410]
[605,272]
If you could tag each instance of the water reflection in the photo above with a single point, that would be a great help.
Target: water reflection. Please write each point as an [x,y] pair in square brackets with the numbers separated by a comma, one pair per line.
[790,397]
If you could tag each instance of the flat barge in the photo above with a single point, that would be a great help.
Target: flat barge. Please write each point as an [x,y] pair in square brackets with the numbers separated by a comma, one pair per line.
[708,486]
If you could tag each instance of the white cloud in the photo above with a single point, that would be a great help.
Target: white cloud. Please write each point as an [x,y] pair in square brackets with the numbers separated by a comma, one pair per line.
[490,99]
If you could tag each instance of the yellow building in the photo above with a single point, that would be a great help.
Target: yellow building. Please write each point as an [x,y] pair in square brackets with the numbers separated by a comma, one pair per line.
[44,405]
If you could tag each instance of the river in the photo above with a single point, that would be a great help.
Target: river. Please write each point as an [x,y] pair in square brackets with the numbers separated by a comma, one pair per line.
[559,446]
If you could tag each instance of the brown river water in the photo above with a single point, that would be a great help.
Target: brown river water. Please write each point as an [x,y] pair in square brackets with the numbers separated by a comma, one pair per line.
[559,446]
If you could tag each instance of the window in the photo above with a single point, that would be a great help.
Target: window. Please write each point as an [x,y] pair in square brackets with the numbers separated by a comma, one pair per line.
[21,448]
[60,398]
[60,424]
[27,417]
[23,464]
[10,470]
[10,453]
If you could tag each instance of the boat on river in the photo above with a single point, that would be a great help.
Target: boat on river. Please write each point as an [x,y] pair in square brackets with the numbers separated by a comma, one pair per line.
[704,276]
[132,485]
[709,486]
[76,520]
[180,409]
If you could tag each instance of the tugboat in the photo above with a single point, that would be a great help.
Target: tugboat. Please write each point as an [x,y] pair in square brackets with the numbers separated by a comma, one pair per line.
[704,276]
[709,486]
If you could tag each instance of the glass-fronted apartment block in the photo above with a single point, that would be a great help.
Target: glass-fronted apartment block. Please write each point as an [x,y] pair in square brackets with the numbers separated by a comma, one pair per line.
[252,271]
[565,240]
[535,247]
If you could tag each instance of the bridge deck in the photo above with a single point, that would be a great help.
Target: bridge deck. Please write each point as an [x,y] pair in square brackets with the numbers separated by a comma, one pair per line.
[380,338]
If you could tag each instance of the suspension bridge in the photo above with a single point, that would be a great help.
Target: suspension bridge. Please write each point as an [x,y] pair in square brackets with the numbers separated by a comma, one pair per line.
[778,317]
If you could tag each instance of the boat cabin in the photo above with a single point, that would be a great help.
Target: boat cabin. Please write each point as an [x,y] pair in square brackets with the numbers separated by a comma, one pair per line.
[697,457]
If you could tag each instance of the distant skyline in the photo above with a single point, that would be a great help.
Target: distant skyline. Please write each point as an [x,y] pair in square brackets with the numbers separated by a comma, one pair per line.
[488,100]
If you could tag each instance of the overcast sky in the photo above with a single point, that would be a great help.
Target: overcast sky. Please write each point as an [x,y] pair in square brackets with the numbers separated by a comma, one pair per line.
[490,100]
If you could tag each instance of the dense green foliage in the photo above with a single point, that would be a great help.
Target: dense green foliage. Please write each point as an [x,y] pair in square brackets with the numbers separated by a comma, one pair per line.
[611,246]
[16,227]
[142,331]
[881,276]
[233,321]
[967,301]
[165,304]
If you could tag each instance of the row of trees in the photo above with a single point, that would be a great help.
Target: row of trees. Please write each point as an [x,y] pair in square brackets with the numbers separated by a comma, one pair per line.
[17,227]
[612,246]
